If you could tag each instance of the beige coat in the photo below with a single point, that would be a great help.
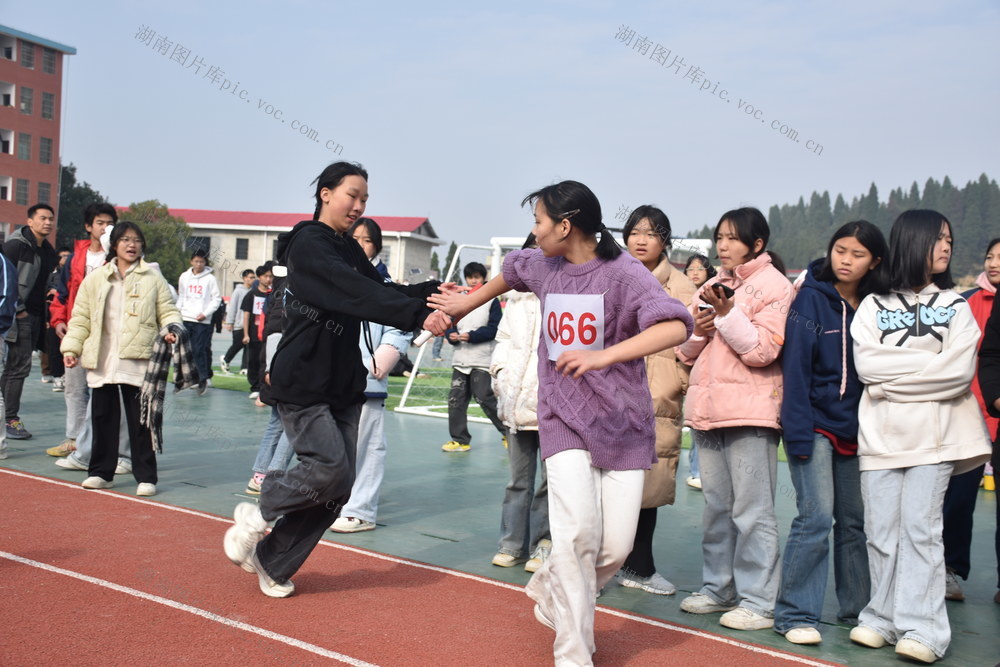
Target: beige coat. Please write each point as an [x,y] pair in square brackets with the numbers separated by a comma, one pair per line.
[148,306]
[668,382]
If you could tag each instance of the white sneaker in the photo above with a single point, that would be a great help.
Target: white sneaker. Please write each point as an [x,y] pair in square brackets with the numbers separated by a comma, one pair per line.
[59,384]
[742,618]
[269,586]
[543,619]
[699,603]
[223,365]
[71,463]
[350,524]
[145,489]
[254,395]
[694,482]
[539,556]
[862,634]
[506,560]
[96,483]
[805,634]
[914,650]
[124,466]
[46,379]
[654,583]
[242,537]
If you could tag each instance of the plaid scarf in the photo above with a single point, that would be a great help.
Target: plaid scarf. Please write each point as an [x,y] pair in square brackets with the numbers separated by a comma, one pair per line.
[154,383]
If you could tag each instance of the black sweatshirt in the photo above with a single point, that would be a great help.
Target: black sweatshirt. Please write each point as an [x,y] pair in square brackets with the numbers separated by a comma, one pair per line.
[331,289]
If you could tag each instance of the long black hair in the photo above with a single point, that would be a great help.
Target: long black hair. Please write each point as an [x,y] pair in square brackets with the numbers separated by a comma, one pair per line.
[332,176]
[750,225]
[574,201]
[911,243]
[871,237]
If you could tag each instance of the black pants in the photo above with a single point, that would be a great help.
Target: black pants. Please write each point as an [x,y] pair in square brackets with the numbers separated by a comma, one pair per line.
[959,504]
[251,356]
[52,342]
[308,497]
[25,331]
[640,560]
[235,348]
[478,383]
[105,410]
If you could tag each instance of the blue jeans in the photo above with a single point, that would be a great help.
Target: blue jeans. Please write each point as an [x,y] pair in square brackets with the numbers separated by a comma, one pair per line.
[274,451]
[827,489]
[370,464]
[740,541]
[693,460]
[201,347]
[524,516]
[903,521]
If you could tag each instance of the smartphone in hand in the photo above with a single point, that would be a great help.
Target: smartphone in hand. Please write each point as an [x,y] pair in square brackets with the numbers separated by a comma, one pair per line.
[721,291]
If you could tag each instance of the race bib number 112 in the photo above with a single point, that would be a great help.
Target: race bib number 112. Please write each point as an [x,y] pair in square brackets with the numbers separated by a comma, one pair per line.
[573,322]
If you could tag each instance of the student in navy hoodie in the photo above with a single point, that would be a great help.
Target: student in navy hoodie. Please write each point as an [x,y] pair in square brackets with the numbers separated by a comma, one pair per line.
[820,421]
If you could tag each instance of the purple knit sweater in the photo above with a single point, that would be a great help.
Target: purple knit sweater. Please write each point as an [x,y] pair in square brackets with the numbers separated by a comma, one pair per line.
[607,412]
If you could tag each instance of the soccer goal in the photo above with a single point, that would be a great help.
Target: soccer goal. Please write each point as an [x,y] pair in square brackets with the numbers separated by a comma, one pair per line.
[426,390]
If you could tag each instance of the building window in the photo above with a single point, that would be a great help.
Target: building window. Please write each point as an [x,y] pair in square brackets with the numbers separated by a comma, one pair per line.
[242,248]
[48,105]
[27,55]
[21,192]
[274,250]
[45,150]
[6,141]
[23,146]
[27,100]
[44,193]
[48,61]
[198,243]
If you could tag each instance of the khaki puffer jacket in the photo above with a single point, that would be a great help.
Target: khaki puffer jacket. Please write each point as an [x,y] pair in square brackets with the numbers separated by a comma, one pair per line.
[668,382]
[148,306]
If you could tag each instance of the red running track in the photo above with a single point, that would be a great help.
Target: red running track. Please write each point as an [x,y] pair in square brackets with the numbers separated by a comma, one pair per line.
[121,579]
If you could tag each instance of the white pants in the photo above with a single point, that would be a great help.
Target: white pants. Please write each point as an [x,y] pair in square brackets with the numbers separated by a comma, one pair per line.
[592,517]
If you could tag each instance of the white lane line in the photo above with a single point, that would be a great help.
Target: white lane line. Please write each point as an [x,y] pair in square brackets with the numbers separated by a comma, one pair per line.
[454,573]
[238,625]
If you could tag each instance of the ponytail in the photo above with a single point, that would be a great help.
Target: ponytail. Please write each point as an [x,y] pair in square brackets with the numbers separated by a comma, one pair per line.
[607,246]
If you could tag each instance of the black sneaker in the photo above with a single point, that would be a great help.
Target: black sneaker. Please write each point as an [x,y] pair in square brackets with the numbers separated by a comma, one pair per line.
[16,430]
[203,387]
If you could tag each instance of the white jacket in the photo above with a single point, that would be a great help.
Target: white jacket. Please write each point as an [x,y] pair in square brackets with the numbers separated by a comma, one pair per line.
[514,366]
[198,295]
[916,355]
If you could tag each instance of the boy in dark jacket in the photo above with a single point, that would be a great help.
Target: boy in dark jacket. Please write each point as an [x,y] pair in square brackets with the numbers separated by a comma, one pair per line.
[34,258]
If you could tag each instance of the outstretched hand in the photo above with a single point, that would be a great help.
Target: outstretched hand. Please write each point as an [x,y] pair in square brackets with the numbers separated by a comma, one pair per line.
[450,300]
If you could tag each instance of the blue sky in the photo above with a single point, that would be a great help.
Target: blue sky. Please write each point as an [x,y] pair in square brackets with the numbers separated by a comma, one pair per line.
[459,111]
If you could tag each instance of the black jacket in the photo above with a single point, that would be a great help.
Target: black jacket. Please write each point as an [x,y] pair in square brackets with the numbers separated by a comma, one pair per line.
[331,289]
[33,263]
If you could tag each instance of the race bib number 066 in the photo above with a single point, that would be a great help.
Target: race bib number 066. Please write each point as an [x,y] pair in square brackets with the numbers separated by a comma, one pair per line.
[573,322]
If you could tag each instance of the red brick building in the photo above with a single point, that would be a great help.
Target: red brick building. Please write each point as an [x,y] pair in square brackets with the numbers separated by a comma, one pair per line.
[31,78]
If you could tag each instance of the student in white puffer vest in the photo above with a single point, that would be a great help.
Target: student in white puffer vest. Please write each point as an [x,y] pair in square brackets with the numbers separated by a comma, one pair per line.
[473,337]
[524,515]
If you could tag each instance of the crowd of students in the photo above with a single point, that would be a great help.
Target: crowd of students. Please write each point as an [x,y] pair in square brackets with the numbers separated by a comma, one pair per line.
[865,368]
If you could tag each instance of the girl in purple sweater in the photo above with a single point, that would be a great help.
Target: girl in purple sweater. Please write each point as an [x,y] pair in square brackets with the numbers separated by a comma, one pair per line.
[602,313]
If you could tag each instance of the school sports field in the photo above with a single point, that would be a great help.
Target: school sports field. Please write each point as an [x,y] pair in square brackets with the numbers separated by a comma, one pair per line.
[103,577]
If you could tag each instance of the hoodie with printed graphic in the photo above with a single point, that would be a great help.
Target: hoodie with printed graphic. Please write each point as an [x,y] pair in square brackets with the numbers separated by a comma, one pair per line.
[916,355]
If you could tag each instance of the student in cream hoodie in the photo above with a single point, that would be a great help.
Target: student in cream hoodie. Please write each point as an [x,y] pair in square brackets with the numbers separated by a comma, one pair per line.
[919,424]
[199,297]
